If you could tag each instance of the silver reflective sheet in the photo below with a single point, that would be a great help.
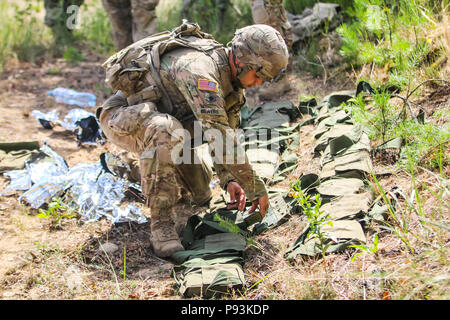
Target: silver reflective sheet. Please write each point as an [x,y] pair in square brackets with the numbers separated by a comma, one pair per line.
[95,193]
[48,178]
[73,116]
[20,180]
[70,120]
[51,116]
[100,194]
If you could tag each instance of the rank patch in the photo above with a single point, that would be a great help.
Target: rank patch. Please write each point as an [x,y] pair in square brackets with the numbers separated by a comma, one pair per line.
[207,85]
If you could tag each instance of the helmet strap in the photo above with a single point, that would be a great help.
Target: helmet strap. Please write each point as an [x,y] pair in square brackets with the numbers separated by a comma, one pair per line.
[240,71]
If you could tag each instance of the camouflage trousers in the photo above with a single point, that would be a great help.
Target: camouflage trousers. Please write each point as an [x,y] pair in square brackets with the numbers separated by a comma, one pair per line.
[131,20]
[156,137]
[272,13]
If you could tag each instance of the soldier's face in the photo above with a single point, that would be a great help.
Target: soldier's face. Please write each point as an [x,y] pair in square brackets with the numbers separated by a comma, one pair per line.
[250,79]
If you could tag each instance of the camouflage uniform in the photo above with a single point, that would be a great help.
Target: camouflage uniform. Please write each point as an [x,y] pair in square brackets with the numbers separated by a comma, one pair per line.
[272,13]
[200,87]
[142,127]
[131,20]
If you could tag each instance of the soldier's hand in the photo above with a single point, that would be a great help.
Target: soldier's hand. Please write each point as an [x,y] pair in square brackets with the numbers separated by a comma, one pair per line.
[237,196]
[262,203]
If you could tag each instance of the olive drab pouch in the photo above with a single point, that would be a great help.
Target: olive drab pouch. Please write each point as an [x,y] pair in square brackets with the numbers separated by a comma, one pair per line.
[210,265]
[267,135]
[223,244]
[134,70]
[13,155]
[339,235]
[277,214]
[209,278]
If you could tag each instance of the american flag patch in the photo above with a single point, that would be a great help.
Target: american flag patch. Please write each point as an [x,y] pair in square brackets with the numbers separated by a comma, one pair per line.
[207,85]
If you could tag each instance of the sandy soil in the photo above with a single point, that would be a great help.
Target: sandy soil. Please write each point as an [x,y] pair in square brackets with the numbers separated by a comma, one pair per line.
[27,242]
[69,263]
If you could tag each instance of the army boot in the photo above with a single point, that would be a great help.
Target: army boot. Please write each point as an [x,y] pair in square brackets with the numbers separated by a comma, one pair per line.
[164,238]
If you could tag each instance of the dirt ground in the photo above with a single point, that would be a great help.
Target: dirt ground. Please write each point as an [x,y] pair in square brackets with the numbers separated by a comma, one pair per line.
[99,260]
[39,263]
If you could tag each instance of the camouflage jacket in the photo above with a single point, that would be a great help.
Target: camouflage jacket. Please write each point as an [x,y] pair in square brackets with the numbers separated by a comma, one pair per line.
[200,83]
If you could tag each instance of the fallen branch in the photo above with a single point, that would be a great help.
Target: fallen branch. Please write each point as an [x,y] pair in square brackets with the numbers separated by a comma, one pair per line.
[429,80]
[405,101]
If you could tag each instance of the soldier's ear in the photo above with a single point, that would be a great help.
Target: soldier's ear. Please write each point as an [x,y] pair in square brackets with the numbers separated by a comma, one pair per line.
[236,60]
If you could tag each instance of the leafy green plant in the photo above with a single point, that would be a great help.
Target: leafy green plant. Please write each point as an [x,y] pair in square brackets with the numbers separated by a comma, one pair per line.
[95,29]
[23,35]
[385,34]
[315,217]
[384,121]
[363,248]
[227,224]
[230,226]
[57,211]
[380,118]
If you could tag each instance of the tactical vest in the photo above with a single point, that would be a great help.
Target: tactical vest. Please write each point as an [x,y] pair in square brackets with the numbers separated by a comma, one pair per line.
[134,70]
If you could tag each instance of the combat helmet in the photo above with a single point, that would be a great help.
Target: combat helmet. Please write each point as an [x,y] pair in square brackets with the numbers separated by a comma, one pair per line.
[262,49]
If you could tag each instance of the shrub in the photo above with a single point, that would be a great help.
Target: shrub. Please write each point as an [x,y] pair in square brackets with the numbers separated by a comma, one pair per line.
[22,35]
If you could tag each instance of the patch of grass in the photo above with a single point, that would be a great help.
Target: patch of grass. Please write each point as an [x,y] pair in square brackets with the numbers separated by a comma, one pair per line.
[22,35]
[392,36]
[307,58]
[95,29]
[364,248]
[54,70]
[384,120]
[56,212]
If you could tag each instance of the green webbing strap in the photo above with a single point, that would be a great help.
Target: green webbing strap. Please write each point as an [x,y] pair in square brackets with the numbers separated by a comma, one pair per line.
[153,62]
